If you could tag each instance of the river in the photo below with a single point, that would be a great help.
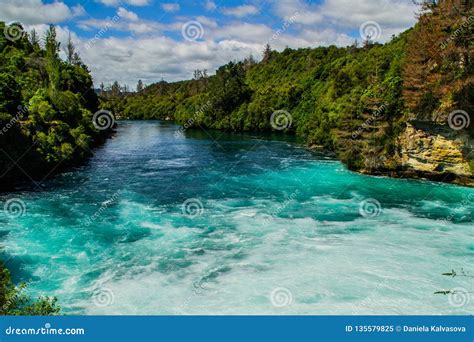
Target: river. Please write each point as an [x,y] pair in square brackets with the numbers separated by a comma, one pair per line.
[165,221]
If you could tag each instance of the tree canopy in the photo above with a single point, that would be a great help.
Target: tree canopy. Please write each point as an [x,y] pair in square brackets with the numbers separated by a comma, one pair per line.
[46,106]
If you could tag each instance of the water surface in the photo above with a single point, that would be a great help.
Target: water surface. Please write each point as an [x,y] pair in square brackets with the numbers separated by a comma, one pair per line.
[216,223]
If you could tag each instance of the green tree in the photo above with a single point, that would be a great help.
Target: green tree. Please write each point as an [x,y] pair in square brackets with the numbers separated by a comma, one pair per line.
[140,86]
[52,58]
[14,301]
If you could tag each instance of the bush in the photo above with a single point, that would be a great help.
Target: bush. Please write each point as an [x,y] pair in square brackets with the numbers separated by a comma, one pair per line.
[14,301]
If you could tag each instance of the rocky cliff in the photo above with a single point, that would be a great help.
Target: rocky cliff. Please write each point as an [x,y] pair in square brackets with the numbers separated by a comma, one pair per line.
[436,152]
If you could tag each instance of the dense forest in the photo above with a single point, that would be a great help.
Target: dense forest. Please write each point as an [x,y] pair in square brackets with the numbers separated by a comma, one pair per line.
[46,106]
[46,124]
[355,101]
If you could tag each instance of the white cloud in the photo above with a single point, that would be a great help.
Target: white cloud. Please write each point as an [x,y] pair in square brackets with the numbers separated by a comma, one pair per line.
[391,13]
[210,5]
[303,13]
[170,7]
[125,20]
[138,2]
[108,25]
[244,32]
[78,11]
[207,21]
[393,16]
[240,11]
[127,15]
[117,3]
[30,12]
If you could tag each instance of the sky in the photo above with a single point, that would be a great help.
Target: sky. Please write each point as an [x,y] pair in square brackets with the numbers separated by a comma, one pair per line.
[128,40]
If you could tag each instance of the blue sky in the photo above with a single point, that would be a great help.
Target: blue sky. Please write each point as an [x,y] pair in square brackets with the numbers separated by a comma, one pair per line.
[127,40]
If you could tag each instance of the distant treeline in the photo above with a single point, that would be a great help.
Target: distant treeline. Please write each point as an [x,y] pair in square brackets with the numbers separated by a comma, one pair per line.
[354,101]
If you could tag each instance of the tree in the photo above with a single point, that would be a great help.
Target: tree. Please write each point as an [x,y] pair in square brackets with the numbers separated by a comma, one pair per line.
[437,70]
[140,86]
[228,90]
[47,98]
[70,50]
[267,53]
[249,61]
[368,42]
[116,89]
[72,56]
[34,39]
[197,74]
[13,300]
[52,58]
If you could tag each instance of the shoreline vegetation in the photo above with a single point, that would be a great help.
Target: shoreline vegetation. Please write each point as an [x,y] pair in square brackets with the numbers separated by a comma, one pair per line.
[49,110]
[401,109]
[15,302]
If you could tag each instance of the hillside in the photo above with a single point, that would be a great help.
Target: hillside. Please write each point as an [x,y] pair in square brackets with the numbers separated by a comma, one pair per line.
[401,109]
[46,107]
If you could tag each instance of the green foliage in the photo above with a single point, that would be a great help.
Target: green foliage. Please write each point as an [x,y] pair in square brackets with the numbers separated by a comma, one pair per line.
[47,104]
[9,93]
[227,92]
[353,101]
[330,92]
[52,59]
[438,71]
[14,301]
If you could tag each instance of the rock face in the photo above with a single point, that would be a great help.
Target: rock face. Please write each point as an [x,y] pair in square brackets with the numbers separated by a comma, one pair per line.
[436,152]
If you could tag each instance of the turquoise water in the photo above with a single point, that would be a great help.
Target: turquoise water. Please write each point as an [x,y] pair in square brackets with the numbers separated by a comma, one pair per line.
[215,223]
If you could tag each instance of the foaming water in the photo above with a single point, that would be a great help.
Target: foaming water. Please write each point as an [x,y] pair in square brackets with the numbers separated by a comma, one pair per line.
[216,223]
